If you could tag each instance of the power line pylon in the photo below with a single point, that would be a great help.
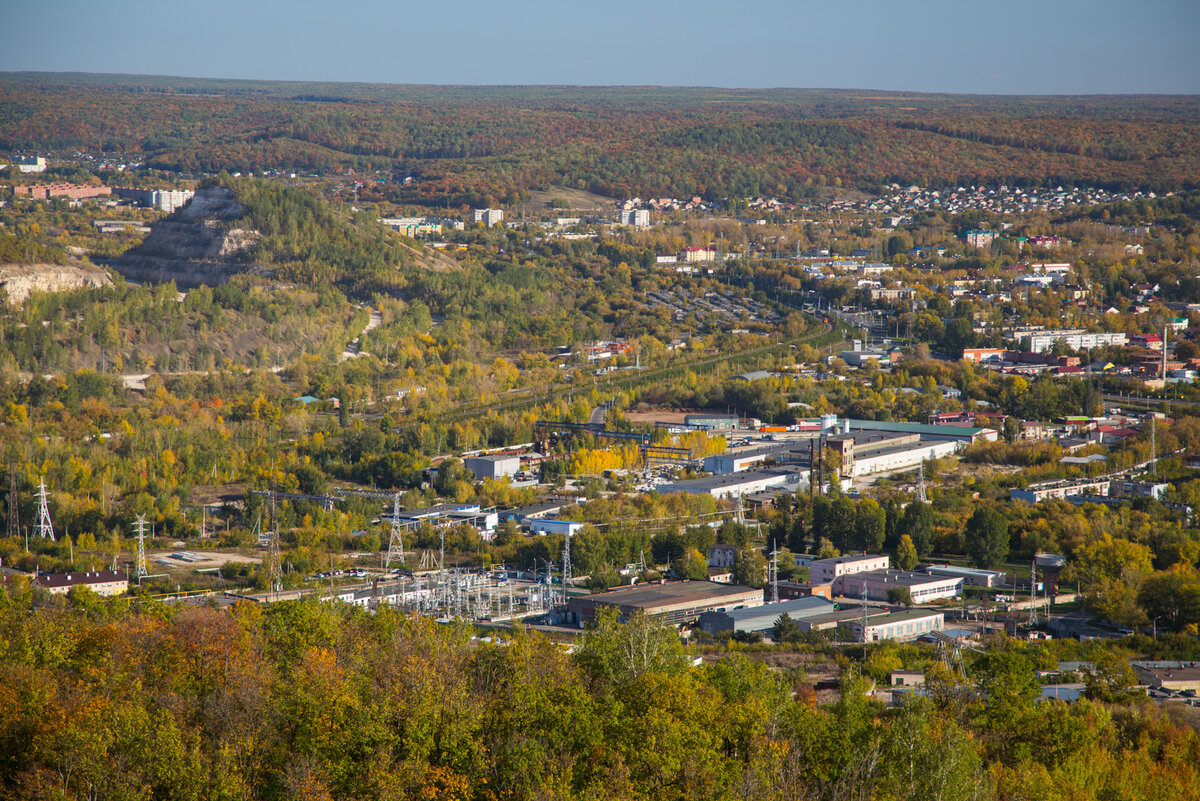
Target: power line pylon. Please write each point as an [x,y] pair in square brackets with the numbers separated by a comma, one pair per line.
[273,563]
[396,539]
[140,571]
[566,567]
[44,527]
[921,482]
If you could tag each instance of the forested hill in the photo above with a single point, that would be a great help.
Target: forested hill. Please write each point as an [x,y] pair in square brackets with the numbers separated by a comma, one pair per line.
[243,225]
[472,144]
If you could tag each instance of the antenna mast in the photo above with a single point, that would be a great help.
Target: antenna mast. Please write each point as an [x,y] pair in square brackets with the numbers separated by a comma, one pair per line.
[44,527]
[140,571]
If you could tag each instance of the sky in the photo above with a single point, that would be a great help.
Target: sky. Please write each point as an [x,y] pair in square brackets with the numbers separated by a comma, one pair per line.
[961,46]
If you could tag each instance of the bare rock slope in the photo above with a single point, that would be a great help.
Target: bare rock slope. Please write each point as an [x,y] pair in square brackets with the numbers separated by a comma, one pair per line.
[196,246]
[19,280]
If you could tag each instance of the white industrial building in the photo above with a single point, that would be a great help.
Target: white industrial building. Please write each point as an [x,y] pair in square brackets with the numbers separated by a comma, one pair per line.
[906,625]
[921,586]
[744,483]
[551,526]
[971,576]
[493,466]
[762,618]
[824,571]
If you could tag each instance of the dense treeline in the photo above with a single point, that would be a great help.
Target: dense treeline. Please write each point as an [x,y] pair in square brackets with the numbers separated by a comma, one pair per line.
[468,144]
[321,701]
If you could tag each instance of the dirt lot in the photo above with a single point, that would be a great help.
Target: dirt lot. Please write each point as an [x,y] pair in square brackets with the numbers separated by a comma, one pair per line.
[651,415]
[576,200]
[211,558]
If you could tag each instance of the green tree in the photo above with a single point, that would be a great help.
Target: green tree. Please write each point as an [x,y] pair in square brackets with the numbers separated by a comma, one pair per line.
[841,523]
[870,526]
[750,568]
[918,526]
[785,629]
[618,653]
[1172,597]
[691,566]
[899,596]
[987,537]
[906,554]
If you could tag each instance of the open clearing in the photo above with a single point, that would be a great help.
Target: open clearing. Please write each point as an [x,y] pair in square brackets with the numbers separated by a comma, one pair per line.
[573,200]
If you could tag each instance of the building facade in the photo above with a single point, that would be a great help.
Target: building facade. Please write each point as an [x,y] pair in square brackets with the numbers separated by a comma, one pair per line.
[102,582]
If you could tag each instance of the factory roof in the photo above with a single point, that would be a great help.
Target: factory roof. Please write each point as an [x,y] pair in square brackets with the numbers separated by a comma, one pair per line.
[899,578]
[957,432]
[79,577]
[903,615]
[723,482]
[795,609]
[667,594]
[846,558]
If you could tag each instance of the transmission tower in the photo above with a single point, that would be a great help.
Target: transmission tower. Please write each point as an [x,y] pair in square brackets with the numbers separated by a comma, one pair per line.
[566,567]
[140,571]
[921,482]
[1033,615]
[44,527]
[396,540]
[273,562]
[14,520]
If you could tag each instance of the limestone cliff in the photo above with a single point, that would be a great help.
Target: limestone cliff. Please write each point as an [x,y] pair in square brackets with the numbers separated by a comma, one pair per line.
[195,246]
[18,280]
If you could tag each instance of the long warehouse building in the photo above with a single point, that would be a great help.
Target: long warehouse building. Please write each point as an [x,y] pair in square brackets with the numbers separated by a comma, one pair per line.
[676,602]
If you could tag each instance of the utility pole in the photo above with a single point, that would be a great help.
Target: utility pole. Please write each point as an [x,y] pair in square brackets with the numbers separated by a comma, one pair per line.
[774,578]
[1033,615]
[44,527]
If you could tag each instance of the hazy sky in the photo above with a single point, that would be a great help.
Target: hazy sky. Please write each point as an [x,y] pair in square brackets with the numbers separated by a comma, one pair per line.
[1013,46]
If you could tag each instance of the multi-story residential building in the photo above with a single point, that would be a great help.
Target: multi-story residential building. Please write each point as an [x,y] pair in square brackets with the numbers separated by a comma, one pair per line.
[636,217]
[980,239]
[489,217]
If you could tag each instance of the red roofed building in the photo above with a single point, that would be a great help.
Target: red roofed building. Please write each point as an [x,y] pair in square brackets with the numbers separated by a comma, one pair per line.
[1147,341]
[101,582]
